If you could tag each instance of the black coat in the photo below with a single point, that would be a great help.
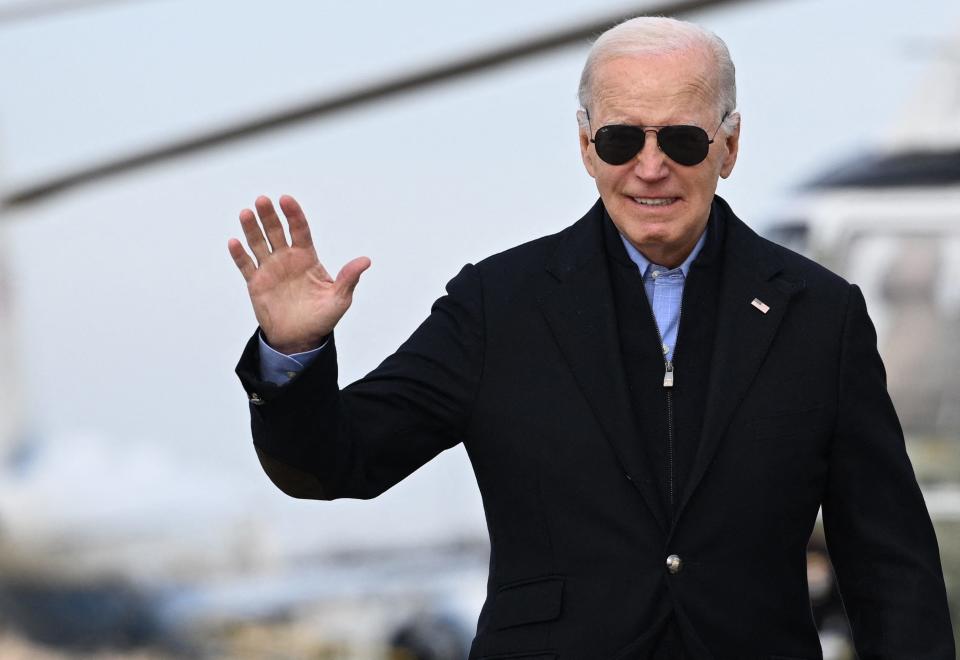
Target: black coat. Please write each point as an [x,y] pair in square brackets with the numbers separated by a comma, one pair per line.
[521,362]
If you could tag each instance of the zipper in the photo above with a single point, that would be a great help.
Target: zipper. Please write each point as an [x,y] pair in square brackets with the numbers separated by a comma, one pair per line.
[670,446]
[668,379]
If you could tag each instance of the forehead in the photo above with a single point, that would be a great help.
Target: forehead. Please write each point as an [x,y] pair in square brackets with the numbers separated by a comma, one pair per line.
[655,89]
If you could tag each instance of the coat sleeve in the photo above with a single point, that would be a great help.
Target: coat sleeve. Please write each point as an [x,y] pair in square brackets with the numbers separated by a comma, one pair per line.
[878,530]
[317,441]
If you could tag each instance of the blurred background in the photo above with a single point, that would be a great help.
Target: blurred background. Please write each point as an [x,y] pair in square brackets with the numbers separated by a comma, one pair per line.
[135,521]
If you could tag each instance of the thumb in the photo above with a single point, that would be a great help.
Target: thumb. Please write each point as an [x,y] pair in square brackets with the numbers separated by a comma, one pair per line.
[349,275]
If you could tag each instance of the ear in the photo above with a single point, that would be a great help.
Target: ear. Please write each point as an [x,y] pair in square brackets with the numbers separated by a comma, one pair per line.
[586,153]
[732,142]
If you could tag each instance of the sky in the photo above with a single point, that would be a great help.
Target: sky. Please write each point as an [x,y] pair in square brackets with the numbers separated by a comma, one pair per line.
[129,314]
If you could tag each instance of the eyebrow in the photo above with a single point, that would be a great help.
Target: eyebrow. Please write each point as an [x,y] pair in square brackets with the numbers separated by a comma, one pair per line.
[618,119]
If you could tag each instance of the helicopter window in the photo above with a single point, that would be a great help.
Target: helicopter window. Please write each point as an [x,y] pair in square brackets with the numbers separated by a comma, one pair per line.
[910,283]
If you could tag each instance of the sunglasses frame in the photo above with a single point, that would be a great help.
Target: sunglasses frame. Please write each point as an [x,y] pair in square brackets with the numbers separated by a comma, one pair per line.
[656,130]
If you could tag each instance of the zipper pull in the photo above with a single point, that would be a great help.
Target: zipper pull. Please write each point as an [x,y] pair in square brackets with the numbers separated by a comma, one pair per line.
[668,375]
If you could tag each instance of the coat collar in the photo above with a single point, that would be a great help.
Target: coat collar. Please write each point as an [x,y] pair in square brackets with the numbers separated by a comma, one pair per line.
[580,311]
[752,271]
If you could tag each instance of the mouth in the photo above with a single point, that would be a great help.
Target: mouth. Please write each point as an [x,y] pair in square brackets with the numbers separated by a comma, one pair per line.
[655,201]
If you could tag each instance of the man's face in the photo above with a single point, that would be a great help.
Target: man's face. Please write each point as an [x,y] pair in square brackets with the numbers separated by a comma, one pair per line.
[660,206]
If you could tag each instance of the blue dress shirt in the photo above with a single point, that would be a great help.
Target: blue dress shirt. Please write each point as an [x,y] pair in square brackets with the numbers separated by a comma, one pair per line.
[664,287]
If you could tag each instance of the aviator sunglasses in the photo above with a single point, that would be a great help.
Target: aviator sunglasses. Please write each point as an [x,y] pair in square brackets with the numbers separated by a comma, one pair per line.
[687,145]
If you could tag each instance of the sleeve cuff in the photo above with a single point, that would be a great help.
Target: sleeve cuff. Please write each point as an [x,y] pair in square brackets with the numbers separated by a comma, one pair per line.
[279,368]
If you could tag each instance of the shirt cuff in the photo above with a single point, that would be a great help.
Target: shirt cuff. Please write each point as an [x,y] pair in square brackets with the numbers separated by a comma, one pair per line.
[279,368]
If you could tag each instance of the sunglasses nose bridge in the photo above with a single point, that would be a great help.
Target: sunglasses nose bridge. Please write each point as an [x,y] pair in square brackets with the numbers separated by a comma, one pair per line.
[649,161]
[647,140]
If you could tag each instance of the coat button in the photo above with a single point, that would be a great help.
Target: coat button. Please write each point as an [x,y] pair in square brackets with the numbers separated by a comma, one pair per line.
[674,564]
[255,399]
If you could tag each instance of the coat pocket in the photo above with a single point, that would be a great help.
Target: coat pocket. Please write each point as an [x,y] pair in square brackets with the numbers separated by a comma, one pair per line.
[530,601]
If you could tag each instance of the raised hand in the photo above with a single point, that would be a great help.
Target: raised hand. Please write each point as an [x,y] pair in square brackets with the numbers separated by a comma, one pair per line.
[295,300]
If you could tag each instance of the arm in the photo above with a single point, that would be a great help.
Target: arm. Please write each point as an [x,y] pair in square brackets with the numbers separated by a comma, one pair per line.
[878,531]
[317,441]
[314,440]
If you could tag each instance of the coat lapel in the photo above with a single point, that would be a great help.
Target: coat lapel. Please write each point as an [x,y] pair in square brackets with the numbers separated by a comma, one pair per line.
[745,331]
[580,311]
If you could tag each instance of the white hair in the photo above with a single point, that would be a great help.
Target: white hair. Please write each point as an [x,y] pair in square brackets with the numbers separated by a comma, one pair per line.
[656,35]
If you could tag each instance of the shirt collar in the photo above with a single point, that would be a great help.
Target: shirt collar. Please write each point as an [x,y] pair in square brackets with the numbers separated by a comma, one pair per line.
[643,263]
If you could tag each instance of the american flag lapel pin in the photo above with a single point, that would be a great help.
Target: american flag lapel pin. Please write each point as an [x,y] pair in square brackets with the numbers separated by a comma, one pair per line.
[759,304]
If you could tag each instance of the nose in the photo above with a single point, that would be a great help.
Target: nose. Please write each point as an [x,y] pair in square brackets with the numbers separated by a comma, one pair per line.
[650,162]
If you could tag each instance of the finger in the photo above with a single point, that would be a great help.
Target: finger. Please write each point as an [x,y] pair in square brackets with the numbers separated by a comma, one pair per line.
[297,221]
[241,258]
[349,276]
[253,234]
[271,223]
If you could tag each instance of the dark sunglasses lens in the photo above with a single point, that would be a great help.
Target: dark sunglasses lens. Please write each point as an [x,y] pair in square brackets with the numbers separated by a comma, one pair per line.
[618,144]
[686,145]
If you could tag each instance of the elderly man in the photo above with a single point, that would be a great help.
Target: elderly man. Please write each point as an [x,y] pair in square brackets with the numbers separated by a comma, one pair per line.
[656,401]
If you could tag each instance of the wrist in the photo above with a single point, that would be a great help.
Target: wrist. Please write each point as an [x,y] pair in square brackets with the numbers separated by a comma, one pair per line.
[294,347]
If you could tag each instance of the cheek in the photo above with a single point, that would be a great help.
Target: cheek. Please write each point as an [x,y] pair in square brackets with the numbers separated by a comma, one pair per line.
[610,177]
[704,184]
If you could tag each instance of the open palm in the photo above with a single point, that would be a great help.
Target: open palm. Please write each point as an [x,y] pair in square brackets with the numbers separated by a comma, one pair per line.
[295,300]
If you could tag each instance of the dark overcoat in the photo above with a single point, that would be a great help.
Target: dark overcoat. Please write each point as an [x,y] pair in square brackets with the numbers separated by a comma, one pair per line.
[521,362]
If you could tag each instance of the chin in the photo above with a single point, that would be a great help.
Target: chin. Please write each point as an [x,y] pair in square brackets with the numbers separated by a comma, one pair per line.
[647,240]
[666,231]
